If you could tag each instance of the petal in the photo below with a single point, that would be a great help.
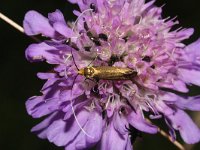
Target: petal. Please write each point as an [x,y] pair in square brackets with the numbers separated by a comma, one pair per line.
[78,89]
[187,128]
[120,124]
[63,132]
[66,95]
[63,30]
[46,76]
[56,133]
[56,16]
[41,52]
[51,88]
[192,53]
[190,103]
[77,106]
[34,23]
[129,145]
[180,86]
[93,128]
[37,106]
[189,76]
[41,128]
[184,34]
[147,5]
[112,140]
[162,107]
[58,22]
[138,122]
[168,97]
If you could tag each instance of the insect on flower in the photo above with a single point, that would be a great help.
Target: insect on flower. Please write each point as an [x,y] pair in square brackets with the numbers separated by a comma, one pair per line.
[101,72]
[132,55]
[96,73]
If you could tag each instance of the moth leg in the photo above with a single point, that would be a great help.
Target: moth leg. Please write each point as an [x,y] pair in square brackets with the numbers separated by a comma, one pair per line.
[94,88]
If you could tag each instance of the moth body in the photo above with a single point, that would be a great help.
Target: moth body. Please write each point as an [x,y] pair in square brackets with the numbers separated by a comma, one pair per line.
[107,73]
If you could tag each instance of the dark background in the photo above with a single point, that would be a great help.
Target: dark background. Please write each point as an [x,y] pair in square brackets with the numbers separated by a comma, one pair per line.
[18,79]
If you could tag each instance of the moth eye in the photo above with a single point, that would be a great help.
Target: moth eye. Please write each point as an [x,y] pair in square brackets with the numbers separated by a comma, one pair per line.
[91,71]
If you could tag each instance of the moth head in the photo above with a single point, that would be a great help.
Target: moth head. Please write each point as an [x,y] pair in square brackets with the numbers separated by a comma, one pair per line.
[88,72]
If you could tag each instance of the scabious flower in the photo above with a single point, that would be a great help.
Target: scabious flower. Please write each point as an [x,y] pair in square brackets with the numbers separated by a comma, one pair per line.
[85,113]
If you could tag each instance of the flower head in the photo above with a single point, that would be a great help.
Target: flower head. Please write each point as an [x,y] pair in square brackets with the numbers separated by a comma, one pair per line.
[87,111]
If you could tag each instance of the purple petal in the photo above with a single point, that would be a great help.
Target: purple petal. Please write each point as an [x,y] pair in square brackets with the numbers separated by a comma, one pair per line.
[41,128]
[147,5]
[78,106]
[37,106]
[187,128]
[51,88]
[58,22]
[78,89]
[189,76]
[162,107]
[192,53]
[66,95]
[169,97]
[56,133]
[42,51]
[112,140]
[184,34]
[180,86]
[93,128]
[63,132]
[46,76]
[191,103]
[129,145]
[138,122]
[120,124]
[34,23]
[56,16]
[63,30]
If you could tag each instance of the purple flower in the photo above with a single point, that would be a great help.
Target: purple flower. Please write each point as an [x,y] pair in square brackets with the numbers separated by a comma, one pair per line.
[99,112]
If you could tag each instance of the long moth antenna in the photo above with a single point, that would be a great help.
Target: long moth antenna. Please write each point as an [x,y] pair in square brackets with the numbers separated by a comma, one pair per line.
[93,60]
[87,10]
[71,101]
[74,60]
[80,17]
[73,111]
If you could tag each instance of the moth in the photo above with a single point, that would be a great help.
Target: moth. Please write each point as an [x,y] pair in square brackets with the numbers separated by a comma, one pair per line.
[107,73]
